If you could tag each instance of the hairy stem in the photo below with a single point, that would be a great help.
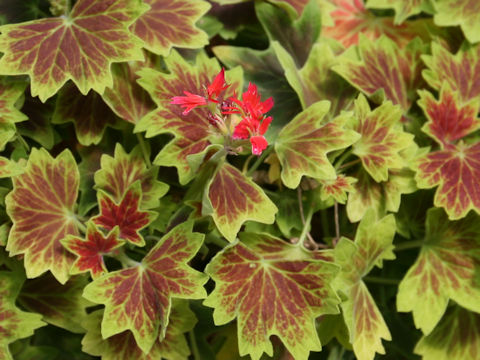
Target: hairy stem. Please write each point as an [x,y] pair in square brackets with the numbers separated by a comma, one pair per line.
[143,147]
[125,260]
[409,245]
[342,158]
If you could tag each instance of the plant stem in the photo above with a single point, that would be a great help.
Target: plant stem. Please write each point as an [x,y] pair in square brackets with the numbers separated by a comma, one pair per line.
[247,163]
[193,344]
[409,245]
[23,142]
[125,260]
[348,164]
[342,158]
[380,280]
[306,225]
[81,226]
[337,223]
[259,160]
[143,147]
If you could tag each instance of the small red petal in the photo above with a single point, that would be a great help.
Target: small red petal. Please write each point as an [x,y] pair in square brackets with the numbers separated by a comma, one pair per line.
[262,129]
[217,86]
[259,143]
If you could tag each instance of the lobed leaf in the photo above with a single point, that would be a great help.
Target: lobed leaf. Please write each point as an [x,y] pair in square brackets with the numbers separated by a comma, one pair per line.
[465,13]
[9,168]
[139,298]
[272,288]
[403,8]
[41,207]
[10,92]
[338,188]
[78,47]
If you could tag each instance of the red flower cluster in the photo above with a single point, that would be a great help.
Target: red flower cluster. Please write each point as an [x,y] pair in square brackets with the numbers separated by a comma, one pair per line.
[251,109]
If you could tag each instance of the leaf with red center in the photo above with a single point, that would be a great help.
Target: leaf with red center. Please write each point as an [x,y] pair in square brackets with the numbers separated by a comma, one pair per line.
[191,131]
[123,346]
[171,23]
[382,69]
[139,298]
[90,251]
[351,19]
[457,337]
[448,119]
[119,172]
[382,138]
[337,189]
[446,268]
[126,98]
[14,323]
[272,288]
[10,92]
[9,168]
[60,305]
[231,199]
[465,13]
[79,47]
[381,197]
[125,214]
[461,71]
[373,244]
[303,144]
[316,81]
[455,170]
[89,114]
[403,8]
[41,208]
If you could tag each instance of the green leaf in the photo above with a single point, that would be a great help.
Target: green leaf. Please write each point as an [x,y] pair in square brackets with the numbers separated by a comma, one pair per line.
[445,269]
[372,245]
[171,23]
[272,288]
[14,323]
[10,92]
[457,337]
[41,208]
[119,172]
[78,47]
[337,189]
[139,298]
[232,199]
[403,8]
[382,138]
[302,145]
[9,168]
[465,13]
[60,305]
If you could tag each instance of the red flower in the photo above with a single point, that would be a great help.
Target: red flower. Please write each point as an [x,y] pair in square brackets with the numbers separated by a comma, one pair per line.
[251,104]
[189,102]
[217,86]
[254,129]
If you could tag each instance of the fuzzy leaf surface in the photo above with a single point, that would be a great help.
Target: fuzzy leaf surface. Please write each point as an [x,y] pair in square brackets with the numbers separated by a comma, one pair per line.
[456,337]
[302,145]
[125,214]
[78,47]
[372,245]
[171,23]
[233,199]
[41,208]
[139,298]
[90,250]
[119,172]
[271,288]
[465,13]
[445,269]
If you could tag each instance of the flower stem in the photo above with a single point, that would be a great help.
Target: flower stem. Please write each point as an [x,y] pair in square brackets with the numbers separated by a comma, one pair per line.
[143,147]
[259,160]
[126,261]
[409,245]
[306,225]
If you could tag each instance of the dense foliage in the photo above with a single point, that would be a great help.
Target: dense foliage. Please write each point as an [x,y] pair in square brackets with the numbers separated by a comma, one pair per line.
[187,179]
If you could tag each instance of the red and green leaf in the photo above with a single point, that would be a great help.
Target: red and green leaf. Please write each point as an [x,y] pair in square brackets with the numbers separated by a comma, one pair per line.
[89,114]
[139,298]
[60,305]
[382,69]
[14,323]
[125,214]
[91,249]
[382,138]
[119,172]
[123,346]
[465,13]
[171,23]
[403,8]
[192,131]
[303,144]
[10,92]
[41,207]
[461,71]
[9,168]
[457,337]
[233,199]
[445,269]
[372,245]
[78,47]
[448,119]
[455,170]
[126,98]
[337,189]
[271,288]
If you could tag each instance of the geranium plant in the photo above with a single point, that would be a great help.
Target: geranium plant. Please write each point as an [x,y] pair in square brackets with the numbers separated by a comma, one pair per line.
[237,179]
